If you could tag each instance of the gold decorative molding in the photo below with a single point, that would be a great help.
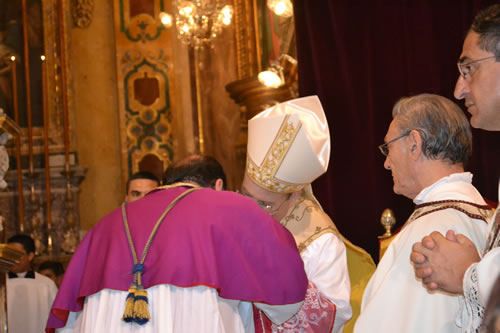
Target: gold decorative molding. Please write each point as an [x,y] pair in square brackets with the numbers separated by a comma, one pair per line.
[82,12]
[246,38]
[144,54]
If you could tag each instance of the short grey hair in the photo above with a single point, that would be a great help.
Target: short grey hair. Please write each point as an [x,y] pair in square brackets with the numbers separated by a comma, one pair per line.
[445,131]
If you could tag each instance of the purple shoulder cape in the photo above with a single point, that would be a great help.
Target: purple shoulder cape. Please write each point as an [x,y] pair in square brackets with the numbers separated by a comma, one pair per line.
[217,239]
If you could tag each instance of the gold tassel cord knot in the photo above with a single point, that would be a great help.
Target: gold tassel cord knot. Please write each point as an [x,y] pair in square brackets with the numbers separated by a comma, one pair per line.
[136,303]
[128,314]
[141,307]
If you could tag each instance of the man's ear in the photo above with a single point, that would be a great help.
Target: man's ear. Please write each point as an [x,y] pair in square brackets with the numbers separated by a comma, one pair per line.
[31,255]
[219,184]
[415,144]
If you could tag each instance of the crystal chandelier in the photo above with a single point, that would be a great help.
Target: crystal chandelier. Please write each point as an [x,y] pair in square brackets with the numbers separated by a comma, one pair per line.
[198,22]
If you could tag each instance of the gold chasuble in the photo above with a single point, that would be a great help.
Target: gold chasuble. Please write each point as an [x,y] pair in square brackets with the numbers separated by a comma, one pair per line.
[307,221]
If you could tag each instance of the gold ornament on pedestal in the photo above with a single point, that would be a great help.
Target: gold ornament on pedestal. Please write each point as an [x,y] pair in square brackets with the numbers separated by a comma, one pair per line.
[388,220]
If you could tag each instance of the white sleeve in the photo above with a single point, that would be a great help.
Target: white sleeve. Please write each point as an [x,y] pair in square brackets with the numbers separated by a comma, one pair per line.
[477,284]
[325,263]
[482,275]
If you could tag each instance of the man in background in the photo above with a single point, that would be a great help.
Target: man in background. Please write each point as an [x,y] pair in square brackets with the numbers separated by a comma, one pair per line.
[428,142]
[139,184]
[452,262]
[29,294]
[54,270]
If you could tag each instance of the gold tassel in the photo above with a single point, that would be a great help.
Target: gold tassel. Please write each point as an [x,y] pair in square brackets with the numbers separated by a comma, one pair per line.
[128,314]
[141,307]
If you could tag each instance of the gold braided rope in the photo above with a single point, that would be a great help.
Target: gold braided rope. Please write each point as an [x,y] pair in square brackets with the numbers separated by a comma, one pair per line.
[136,303]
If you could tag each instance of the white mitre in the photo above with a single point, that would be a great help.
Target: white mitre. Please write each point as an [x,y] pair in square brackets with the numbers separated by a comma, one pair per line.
[288,145]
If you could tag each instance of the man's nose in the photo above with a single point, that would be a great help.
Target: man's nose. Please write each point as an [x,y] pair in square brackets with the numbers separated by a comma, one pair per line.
[461,88]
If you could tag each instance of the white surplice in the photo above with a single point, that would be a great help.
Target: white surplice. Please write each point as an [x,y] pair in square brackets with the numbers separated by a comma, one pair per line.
[173,309]
[479,280]
[394,300]
[29,302]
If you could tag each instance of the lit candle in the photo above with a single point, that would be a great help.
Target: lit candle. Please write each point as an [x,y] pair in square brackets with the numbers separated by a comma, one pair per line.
[27,86]
[15,106]
[46,155]
[60,14]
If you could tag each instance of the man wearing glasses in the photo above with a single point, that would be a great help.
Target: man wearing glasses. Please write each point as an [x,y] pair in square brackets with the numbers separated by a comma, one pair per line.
[426,146]
[452,263]
[288,148]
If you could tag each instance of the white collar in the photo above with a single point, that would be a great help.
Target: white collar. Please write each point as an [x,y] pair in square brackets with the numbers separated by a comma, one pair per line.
[454,177]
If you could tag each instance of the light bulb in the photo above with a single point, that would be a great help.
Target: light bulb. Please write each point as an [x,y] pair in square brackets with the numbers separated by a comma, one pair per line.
[282,8]
[270,78]
[166,19]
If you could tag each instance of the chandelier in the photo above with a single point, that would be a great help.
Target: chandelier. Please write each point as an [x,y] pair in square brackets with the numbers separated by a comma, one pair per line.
[198,22]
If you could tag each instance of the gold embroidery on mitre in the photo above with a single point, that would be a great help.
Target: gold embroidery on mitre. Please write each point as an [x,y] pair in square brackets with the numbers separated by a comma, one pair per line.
[264,175]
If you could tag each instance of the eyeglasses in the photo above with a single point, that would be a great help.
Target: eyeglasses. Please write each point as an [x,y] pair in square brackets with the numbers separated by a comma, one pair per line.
[266,206]
[384,148]
[465,68]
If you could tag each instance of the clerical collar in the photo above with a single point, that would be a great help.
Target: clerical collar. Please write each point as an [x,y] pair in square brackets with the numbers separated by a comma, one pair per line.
[179,184]
[27,275]
[166,187]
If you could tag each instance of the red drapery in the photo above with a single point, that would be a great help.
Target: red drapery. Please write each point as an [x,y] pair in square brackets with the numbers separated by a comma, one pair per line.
[360,57]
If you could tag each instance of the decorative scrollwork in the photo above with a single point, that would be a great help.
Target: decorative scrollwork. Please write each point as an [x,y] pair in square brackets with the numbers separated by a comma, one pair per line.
[82,12]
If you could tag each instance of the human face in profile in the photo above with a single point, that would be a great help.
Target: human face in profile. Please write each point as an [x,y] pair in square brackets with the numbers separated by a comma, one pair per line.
[275,204]
[479,84]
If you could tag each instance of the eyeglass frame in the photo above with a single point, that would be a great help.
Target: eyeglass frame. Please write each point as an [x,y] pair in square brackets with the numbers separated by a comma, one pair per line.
[384,148]
[267,208]
[466,73]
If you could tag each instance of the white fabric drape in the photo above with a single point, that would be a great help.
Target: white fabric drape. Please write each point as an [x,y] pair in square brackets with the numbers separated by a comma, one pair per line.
[173,310]
[29,302]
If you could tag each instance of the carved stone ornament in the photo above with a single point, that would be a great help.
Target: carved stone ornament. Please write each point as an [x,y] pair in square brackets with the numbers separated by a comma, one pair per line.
[82,12]
[4,158]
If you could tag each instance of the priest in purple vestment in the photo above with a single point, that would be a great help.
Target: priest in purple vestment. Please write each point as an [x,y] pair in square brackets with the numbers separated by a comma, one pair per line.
[213,256]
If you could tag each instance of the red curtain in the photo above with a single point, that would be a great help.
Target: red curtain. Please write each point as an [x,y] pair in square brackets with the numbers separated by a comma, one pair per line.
[360,57]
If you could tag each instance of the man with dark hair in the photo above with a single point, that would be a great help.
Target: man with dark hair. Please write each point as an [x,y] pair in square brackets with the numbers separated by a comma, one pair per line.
[54,270]
[204,171]
[426,146]
[29,294]
[139,184]
[452,262]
